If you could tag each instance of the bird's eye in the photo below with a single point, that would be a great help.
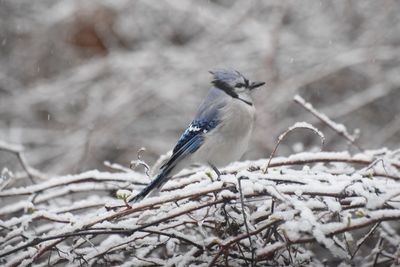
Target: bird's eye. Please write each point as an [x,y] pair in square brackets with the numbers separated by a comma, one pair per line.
[239,85]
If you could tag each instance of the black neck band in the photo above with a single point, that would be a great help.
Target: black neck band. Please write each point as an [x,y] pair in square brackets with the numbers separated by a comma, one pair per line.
[229,90]
[226,88]
[245,101]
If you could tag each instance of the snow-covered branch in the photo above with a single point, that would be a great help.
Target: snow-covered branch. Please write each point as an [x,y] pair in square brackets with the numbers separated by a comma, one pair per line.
[327,198]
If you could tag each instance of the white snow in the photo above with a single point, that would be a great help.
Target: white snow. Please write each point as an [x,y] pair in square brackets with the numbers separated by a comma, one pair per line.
[311,194]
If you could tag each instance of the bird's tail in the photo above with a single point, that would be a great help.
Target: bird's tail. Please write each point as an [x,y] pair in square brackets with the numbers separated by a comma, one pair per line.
[154,185]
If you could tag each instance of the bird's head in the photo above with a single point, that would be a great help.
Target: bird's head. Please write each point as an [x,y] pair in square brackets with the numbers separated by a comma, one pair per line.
[234,84]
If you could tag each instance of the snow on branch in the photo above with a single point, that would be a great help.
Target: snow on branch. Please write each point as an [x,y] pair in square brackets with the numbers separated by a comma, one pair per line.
[345,203]
[337,127]
[297,125]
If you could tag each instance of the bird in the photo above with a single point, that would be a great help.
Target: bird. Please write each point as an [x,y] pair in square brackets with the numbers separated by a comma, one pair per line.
[219,133]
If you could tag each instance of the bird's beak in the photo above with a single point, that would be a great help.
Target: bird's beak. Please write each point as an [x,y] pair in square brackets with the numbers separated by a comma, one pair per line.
[255,85]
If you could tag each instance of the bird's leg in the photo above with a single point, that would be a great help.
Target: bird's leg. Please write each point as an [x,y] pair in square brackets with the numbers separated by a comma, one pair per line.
[216,171]
[128,207]
[218,178]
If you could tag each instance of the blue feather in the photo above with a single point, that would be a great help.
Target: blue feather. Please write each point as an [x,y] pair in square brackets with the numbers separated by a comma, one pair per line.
[189,147]
[207,118]
[196,128]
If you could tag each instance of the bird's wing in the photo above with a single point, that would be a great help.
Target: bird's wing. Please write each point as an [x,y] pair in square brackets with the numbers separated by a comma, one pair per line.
[207,118]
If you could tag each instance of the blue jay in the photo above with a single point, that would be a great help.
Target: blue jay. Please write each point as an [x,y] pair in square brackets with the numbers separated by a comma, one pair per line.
[220,132]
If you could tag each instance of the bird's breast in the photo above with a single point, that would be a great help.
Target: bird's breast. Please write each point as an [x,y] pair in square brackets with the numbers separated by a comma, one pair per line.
[237,120]
[229,140]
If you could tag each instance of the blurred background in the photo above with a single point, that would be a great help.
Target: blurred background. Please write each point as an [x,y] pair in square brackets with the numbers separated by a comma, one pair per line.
[82,82]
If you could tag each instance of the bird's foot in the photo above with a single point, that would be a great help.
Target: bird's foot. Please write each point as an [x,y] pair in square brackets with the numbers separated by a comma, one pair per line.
[215,169]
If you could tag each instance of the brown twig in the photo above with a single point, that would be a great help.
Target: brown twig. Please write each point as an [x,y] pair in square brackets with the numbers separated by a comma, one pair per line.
[365,238]
[340,129]
[18,151]
[333,233]
[290,129]
[227,245]
[38,240]
[245,220]
[160,217]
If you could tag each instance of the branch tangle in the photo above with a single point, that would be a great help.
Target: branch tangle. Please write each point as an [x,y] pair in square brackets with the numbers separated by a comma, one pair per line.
[269,219]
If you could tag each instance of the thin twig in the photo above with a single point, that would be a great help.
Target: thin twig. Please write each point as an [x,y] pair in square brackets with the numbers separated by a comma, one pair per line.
[18,151]
[302,125]
[245,220]
[379,245]
[227,245]
[339,128]
[365,238]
